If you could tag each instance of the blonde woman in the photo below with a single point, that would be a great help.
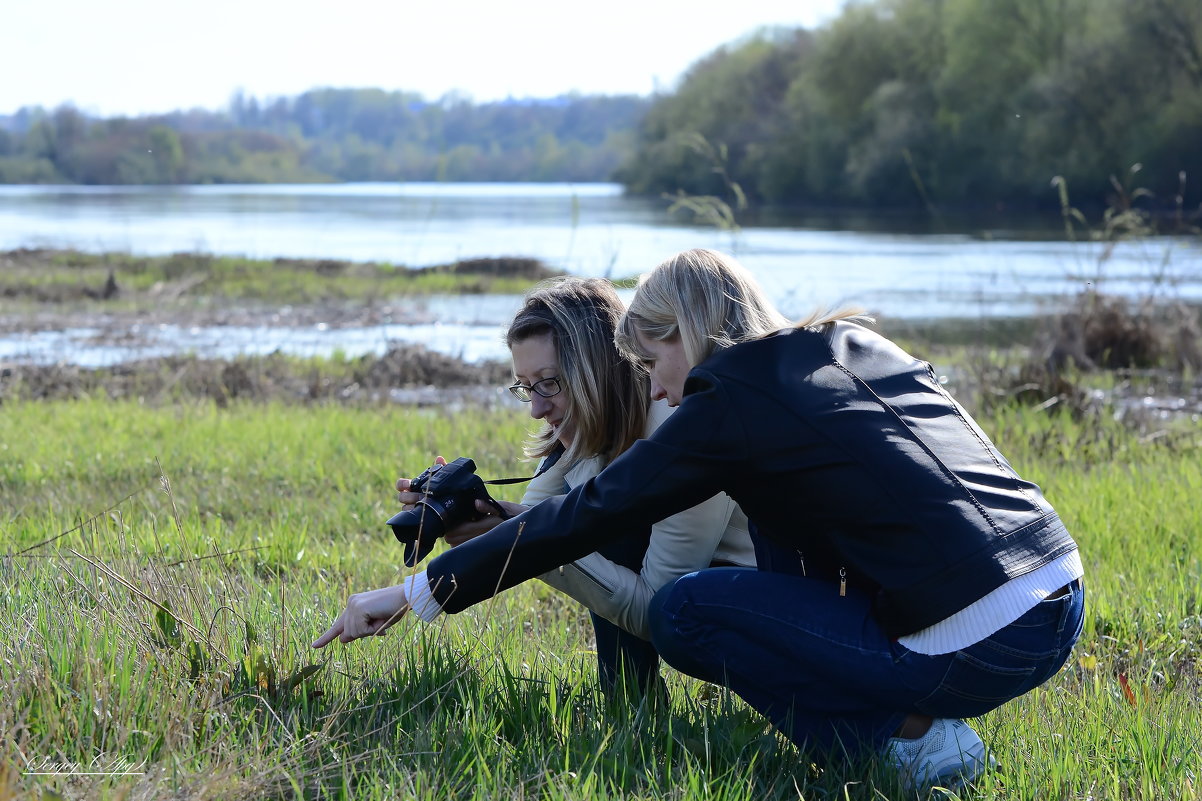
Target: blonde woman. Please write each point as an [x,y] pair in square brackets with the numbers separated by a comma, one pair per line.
[932,583]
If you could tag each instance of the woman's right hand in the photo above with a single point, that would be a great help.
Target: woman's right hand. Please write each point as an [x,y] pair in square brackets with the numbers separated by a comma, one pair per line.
[403,493]
[367,614]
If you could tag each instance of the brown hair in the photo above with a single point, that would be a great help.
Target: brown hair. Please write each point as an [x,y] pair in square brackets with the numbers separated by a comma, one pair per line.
[607,395]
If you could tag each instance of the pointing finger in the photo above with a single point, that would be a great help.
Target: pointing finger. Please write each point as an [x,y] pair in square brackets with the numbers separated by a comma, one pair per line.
[329,636]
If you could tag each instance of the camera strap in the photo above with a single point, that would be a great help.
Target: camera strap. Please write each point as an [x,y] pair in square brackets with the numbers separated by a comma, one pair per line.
[551,459]
[546,465]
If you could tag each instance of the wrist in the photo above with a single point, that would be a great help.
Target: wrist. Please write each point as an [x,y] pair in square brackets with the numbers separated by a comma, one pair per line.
[417,594]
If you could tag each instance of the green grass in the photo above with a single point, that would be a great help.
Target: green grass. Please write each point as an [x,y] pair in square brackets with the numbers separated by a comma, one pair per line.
[162,629]
[35,278]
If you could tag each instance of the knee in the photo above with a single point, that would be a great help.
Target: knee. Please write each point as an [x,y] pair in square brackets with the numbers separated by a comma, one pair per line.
[669,620]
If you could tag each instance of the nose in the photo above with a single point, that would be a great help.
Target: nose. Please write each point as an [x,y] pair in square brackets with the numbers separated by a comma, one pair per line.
[540,407]
[657,390]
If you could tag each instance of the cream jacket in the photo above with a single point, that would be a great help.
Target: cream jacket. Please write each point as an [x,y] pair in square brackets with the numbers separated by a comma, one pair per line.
[714,530]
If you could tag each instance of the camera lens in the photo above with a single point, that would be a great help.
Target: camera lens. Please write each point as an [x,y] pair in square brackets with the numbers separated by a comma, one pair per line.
[418,528]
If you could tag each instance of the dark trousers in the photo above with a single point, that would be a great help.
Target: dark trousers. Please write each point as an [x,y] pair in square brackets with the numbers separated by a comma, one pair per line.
[625,663]
[819,666]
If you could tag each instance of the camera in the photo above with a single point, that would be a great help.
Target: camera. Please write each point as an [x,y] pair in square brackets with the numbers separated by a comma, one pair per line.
[449,495]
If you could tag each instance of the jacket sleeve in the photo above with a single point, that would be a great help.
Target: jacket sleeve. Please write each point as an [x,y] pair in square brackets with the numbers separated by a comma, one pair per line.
[677,547]
[679,544]
[682,464]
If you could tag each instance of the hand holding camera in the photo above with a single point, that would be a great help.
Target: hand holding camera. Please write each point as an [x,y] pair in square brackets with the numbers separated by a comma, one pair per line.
[444,498]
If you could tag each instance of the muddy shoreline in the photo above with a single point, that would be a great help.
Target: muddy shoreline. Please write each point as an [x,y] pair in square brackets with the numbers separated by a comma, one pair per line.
[414,375]
[99,293]
[404,373]
[408,374]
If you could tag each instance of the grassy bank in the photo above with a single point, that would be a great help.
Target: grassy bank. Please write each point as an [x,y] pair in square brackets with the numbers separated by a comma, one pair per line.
[125,282]
[165,632]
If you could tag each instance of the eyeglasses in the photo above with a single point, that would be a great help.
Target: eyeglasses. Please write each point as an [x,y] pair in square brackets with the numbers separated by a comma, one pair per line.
[547,388]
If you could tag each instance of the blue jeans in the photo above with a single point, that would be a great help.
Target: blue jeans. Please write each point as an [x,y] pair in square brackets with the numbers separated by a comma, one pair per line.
[821,669]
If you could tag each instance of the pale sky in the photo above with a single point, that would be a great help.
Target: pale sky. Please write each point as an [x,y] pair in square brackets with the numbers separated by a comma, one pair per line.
[138,56]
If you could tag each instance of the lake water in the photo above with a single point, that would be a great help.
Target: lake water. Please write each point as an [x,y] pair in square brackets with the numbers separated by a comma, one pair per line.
[586,229]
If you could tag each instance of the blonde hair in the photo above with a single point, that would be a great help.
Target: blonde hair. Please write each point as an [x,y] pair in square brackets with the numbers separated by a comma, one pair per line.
[711,302]
[607,395]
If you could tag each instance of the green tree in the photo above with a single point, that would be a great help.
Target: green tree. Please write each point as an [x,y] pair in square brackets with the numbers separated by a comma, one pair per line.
[730,100]
[934,102]
[166,153]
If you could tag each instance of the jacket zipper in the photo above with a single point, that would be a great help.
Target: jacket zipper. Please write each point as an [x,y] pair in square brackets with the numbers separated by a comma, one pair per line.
[592,578]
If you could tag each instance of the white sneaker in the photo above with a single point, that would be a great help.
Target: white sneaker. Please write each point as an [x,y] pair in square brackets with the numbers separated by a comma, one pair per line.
[950,755]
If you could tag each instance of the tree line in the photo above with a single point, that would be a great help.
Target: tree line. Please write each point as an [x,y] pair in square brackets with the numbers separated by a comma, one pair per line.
[895,103]
[940,103]
[327,135]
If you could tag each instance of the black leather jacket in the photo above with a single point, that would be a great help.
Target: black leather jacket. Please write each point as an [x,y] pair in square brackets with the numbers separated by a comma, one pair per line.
[835,443]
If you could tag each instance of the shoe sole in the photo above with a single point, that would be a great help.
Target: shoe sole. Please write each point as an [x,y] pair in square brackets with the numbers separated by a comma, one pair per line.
[963,773]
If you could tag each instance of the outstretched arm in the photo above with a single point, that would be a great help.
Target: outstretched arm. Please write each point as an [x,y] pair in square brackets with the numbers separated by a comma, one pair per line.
[687,460]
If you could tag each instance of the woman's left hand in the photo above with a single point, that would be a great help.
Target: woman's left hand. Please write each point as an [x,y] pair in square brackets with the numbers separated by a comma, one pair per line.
[487,521]
[367,614]
[405,495]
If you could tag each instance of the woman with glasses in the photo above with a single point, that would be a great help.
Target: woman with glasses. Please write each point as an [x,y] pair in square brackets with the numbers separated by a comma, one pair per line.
[594,405]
